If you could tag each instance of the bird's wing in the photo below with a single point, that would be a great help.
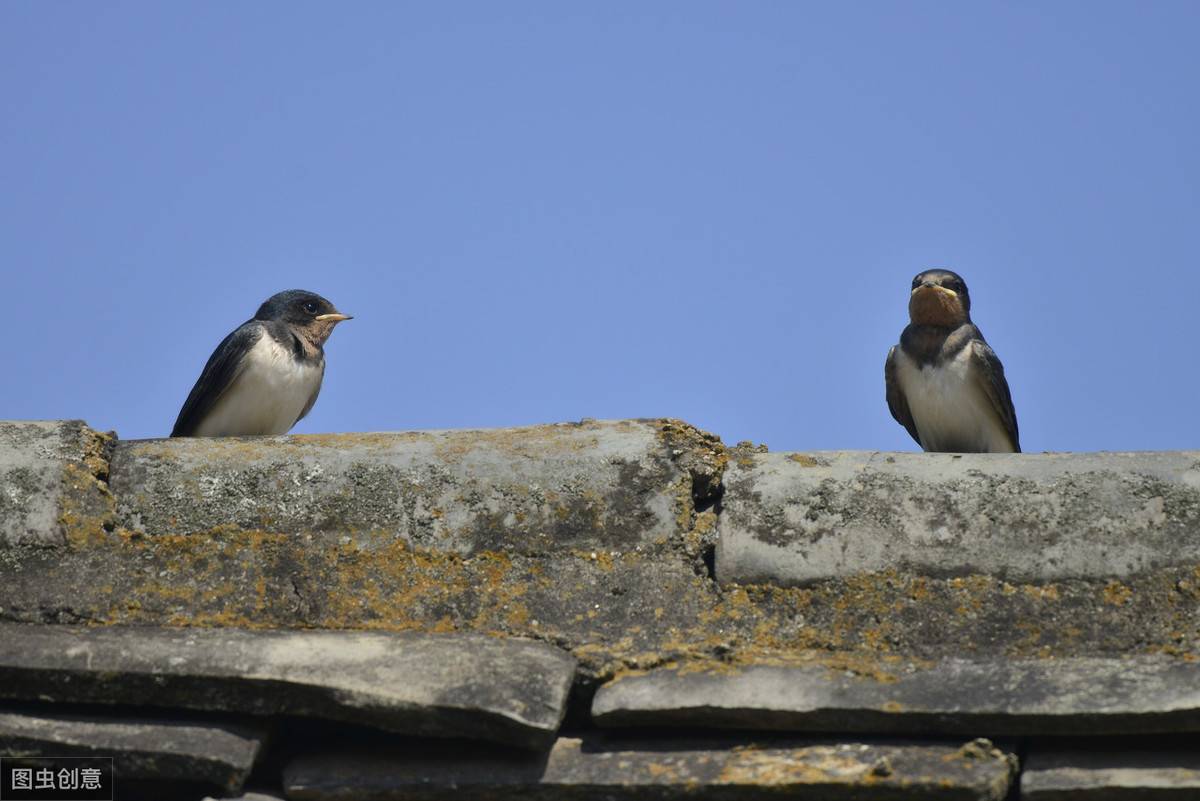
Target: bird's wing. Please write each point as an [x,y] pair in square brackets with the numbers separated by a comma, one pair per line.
[897,403]
[996,387]
[225,364]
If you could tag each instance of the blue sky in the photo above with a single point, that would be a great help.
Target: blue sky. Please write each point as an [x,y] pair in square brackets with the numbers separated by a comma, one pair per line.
[543,211]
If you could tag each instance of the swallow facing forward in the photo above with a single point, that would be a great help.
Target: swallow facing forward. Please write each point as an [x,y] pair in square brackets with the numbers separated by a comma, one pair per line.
[944,383]
[264,377]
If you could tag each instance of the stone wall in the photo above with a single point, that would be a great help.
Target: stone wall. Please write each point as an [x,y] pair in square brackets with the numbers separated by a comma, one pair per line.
[620,609]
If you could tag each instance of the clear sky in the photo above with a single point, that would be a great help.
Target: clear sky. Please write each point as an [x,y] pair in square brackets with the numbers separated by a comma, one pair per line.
[544,211]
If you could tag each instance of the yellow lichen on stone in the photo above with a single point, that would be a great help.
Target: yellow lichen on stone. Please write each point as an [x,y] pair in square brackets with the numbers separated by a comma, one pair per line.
[815,765]
[1116,593]
[1041,591]
[85,509]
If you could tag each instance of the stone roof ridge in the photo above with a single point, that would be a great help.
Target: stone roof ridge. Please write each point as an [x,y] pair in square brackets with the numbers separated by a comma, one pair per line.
[624,608]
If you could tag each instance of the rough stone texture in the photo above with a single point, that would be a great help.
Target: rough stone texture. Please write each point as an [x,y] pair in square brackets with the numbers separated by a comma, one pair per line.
[614,611]
[468,686]
[526,490]
[797,518]
[48,471]
[627,594]
[598,539]
[1112,771]
[141,749]
[596,768]
[625,604]
[616,606]
[996,697]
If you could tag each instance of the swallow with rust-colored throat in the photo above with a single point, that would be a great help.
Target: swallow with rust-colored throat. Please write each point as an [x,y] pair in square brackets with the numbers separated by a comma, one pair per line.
[944,382]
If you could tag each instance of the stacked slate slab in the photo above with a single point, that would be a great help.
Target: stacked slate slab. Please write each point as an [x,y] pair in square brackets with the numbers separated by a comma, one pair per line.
[619,609]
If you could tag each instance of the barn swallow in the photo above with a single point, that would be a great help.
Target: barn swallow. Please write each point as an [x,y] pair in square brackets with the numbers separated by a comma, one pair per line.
[264,377]
[944,383]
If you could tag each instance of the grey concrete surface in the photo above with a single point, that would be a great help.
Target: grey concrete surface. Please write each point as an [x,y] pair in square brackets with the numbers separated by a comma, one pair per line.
[399,587]
[1112,771]
[141,749]
[616,484]
[991,697]
[798,518]
[441,685]
[45,468]
[609,575]
[663,768]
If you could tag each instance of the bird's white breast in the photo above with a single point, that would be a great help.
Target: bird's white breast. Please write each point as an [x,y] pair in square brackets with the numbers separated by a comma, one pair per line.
[268,396]
[950,407]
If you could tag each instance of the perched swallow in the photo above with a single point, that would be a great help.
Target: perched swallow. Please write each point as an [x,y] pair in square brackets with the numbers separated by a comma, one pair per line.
[265,376]
[944,383]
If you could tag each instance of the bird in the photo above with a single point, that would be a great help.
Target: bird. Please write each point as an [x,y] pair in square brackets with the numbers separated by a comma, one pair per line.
[265,376]
[945,384]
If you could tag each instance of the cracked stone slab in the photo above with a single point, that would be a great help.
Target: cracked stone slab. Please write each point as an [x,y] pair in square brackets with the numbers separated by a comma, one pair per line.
[438,685]
[45,468]
[550,487]
[665,768]
[993,697]
[1106,771]
[141,749]
[798,518]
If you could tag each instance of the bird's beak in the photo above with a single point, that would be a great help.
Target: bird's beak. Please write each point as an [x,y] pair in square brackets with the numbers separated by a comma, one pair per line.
[928,285]
[337,318]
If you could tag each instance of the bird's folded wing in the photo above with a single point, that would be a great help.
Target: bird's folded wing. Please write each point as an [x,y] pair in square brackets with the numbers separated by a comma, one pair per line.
[223,367]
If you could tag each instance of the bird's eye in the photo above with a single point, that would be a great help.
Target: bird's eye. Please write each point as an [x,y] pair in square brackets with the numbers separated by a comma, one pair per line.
[310,307]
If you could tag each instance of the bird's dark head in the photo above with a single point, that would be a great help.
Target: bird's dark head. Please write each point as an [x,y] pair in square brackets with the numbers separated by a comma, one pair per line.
[307,311]
[939,297]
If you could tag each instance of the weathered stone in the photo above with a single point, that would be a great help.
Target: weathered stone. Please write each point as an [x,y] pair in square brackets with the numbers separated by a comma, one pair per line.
[623,770]
[544,488]
[1112,771]
[613,610]
[616,605]
[796,518]
[141,749]
[995,697]
[440,685]
[48,471]
[602,603]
